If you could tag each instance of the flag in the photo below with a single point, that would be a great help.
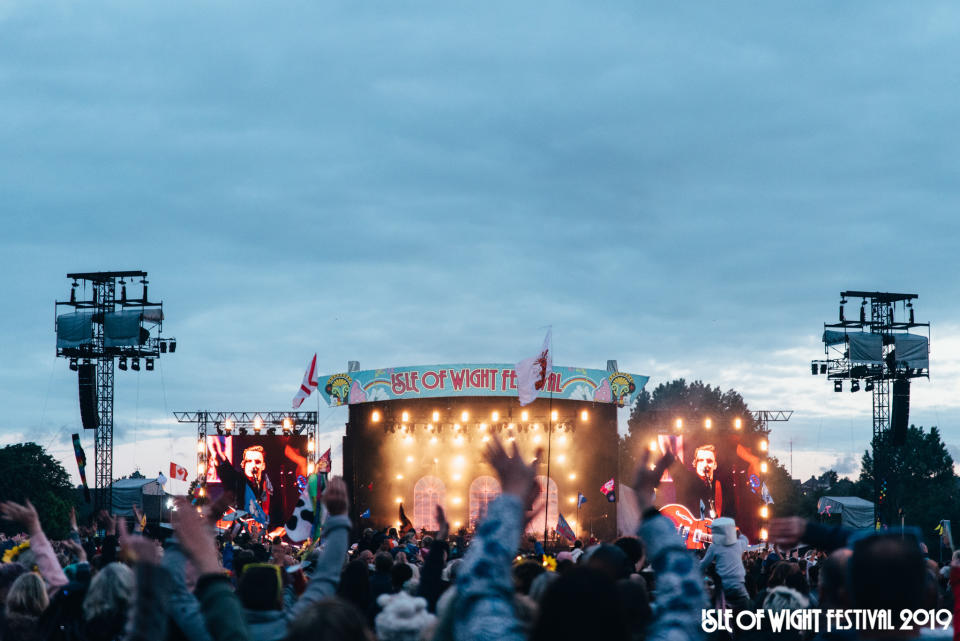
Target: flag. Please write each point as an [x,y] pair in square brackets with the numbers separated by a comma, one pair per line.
[765,494]
[82,465]
[532,372]
[581,499]
[253,507]
[405,524]
[308,384]
[564,529]
[939,528]
[177,472]
[608,487]
[302,521]
[366,514]
[323,463]
[947,534]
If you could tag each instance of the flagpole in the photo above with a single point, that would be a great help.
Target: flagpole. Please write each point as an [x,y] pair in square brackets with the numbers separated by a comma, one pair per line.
[546,507]
[579,494]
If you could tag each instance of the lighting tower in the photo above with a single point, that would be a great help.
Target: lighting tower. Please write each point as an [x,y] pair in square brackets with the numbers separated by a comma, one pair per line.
[878,316]
[100,328]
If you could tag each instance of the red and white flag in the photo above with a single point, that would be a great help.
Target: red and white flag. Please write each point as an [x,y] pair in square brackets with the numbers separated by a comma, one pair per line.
[323,465]
[532,372]
[308,385]
[177,472]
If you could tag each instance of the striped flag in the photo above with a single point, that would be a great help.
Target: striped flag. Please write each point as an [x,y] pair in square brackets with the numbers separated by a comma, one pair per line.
[581,499]
[308,384]
[564,529]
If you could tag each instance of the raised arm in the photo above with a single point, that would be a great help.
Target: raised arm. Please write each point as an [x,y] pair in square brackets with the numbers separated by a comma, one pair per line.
[26,516]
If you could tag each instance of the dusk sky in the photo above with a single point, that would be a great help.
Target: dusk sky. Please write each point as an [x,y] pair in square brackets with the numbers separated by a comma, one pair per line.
[683,188]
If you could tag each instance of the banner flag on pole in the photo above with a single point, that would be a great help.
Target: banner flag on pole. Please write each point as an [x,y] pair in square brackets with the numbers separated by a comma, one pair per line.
[581,499]
[532,372]
[82,465]
[308,384]
[765,494]
[324,463]
[564,529]
[366,514]
[253,507]
[177,472]
[608,487]
[405,524]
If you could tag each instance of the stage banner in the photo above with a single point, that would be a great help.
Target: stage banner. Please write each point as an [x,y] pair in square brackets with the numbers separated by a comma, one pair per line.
[429,381]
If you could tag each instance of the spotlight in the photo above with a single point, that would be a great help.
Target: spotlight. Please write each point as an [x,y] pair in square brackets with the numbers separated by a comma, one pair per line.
[149,363]
[737,423]
[405,417]
[74,364]
[823,368]
[173,346]
[257,424]
[228,425]
[465,416]
[436,416]
[243,431]
[287,424]
[814,369]
[553,415]
[271,431]
[679,423]
[122,363]
[584,415]
[524,415]
[707,423]
[838,386]
[855,386]
[163,347]
[868,386]
[375,416]
[495,416]
[135,364]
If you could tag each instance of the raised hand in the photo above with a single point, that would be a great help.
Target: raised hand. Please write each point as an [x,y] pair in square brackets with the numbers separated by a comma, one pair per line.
[196,538]
[25,515]
[443,527]
[78,552]
[516,477]
[335,496]
[73,519]
[108,522]
[646,480]
[137,548]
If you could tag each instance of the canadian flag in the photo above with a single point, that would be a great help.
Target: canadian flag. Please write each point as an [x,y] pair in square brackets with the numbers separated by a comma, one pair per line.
[308,385]
[177,472]
[532,372]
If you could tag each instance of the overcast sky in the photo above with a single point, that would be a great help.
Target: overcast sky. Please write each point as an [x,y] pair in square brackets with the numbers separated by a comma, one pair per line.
[685,189]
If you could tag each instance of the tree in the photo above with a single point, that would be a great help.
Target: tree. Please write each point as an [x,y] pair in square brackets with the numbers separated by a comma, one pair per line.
[30,473]
[919,478]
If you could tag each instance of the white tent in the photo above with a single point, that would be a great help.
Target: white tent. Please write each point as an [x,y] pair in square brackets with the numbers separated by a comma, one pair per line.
[854,512]
[146,493]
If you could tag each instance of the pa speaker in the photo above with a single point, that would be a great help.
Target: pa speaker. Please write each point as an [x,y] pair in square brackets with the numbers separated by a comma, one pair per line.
[900,414]
[87,378]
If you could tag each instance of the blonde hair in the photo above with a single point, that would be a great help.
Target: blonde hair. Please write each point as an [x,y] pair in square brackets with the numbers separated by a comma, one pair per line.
[28,595]
[110,591]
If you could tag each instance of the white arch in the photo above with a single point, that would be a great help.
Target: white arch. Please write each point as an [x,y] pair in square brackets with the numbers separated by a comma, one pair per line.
[428,493]
[483,490]
[551,505]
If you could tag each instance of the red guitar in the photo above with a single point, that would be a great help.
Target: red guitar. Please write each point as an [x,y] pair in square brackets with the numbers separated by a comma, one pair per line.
[694,532]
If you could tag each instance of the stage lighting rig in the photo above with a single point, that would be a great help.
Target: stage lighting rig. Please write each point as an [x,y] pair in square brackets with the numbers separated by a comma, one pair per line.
[99,327]
[880,350]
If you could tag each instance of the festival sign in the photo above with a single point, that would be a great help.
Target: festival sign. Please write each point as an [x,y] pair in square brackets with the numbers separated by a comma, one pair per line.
[429,381]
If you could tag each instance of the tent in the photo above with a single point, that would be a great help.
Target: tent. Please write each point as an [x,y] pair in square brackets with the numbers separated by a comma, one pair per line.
[854,512]
[146,493]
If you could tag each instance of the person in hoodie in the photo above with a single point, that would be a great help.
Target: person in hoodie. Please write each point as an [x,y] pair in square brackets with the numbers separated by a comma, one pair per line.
[727,552]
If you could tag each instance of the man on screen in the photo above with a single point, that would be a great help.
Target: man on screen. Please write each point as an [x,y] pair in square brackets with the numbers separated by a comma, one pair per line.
[254,466]
[702,489]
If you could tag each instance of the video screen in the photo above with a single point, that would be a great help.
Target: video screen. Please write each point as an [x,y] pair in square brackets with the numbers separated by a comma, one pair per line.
[712,477]
[265,473]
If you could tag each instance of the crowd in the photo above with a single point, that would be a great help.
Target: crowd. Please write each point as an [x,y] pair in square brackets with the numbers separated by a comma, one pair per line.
[200,586]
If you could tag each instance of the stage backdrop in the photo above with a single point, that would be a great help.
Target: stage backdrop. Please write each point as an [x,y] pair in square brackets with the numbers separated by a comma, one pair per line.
[280,460]
[432,381]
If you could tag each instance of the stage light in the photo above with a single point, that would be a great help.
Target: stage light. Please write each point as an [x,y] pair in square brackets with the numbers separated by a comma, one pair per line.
[399,477]
[429,427]
[375,416]
[271,431]
[868,386]
[408,439]
[823,368]
[201,468]
[122,363]
[495,416]
[456,500]
[584,415]
[201,447]
[763,445]
[763,467]
[404,416]
[458,440]
[458,461]
[436,416]
[511,426]
[562,458]
[464,416]
[483,426]
[74,364]
[764,512]
[457,477]
[737,423]
[763,534]
[553,415]
[433,440]
[534,427]
[536,438]
[457,524]
[524,415]
[257,424]
[170,504]
[173,346]
[228,425]
[287,424]
[456,427]
[855,386]
[814,369]
[563,439]
[486,437]
[399,499]
[202,491]
[707,423]
[838,386]
[149,364]
[573,476]
[310,467]
[163,347]
[511,439]
[572,500]
[135,364]
[679,423]
[409,459]
[243,431]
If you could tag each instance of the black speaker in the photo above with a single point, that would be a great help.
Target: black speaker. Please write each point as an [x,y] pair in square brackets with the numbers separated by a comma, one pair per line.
[87,378]
[900,414]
